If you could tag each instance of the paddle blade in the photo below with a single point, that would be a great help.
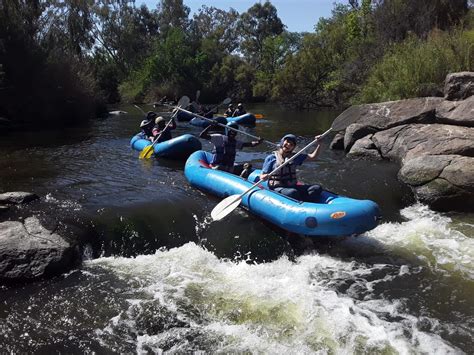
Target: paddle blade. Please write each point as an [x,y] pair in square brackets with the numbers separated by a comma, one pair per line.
[147,152]
[184,101]
[226,101]
[259,116]
[225,207]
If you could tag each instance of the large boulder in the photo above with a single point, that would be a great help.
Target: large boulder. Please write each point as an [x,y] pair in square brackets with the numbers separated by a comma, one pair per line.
[460,113]
[385,115]
[409,141]
[17,197]
[372,118]
[459,86]
[365,148]
[29,251]
[354,132]
[445,182]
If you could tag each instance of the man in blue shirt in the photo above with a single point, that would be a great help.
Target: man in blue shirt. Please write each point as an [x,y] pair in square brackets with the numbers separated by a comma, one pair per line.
[284,181]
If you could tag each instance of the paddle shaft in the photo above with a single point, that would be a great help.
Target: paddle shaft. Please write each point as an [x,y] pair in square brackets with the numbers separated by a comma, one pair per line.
[138,107]
[286,162]
[227,127]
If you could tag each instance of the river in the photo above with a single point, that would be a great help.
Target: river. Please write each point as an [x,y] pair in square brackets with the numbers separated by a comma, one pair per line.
[162,277]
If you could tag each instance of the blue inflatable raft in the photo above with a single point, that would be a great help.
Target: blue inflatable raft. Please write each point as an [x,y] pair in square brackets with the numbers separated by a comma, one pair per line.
[200,122]
[246,119]
[176,148]
[184,116]
[334,216]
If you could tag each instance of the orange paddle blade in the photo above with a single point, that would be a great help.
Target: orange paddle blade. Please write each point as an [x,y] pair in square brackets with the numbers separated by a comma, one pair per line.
[259,116]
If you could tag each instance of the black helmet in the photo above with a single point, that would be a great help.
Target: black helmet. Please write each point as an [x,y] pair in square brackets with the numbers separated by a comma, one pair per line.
[288,137]
[151,115]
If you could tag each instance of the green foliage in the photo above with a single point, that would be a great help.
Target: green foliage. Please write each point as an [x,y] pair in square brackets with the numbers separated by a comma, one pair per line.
[417,67]
[259,22]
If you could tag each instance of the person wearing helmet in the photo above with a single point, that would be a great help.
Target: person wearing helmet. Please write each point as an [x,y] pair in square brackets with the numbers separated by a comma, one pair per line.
[239,111]
[225,148]
[161,130]
[230,111]
[284,181]
[147,125]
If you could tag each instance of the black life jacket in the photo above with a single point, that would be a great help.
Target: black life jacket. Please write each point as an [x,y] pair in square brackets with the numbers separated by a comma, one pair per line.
[286,176]
[148,129]
[165,135]
[225,155]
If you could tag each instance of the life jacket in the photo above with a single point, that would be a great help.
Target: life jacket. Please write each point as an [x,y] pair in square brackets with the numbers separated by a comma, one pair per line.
[165,136]
[239,112]
[148,129]
[225,154]
[286,176]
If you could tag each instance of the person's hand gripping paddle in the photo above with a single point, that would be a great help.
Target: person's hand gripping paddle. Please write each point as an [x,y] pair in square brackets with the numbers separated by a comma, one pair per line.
[230,203]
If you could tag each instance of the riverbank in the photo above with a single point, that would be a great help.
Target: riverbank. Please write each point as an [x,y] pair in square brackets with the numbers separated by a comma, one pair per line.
[431,138]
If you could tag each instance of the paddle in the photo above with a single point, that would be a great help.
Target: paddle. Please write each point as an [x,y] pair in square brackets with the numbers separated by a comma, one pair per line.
[225,102]
[230,203]
[147,152]
[138,107]
[227,127]
[258,115]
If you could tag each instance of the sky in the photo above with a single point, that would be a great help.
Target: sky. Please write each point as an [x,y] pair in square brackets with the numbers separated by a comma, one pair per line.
[297,15]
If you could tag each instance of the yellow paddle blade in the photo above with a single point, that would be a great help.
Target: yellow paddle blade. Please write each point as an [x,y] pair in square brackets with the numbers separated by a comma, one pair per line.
[258,115]
[147,152]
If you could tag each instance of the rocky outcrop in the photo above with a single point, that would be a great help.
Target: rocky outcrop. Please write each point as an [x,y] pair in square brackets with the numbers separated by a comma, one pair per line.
[31,246]
[446,182]
[459,113]
[18,197]
[459,86]
[431,137]
[29,251]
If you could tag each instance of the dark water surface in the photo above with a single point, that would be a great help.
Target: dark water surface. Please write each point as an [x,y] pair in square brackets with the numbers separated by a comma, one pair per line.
[164,278]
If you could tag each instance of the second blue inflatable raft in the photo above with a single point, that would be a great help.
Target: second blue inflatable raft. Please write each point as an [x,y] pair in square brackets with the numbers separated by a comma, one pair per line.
[334,215]
[176,148]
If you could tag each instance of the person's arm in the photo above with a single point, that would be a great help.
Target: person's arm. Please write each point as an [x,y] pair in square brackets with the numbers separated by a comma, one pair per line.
[173,124]
[267,167]
[205,133]
[316,151]
[253,143]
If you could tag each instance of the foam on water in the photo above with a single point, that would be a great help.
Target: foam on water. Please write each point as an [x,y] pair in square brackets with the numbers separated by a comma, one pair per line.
[186,299]
[431,238]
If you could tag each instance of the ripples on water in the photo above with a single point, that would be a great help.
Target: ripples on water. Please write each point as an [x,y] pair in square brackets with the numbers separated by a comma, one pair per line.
[401,288]
[168,279]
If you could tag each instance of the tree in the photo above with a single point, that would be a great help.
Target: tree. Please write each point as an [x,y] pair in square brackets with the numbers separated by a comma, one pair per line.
[216,25]
[255,25]
[395,19]
[172,14]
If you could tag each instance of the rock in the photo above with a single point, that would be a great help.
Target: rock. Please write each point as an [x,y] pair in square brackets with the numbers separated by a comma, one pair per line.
[17,197]
[421,170]
[354,132]
[410,141]
[459,113]
[389,114]
[459,86]
[118,112]
[29,251]
[365,148]
[337,142]
[445,182]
